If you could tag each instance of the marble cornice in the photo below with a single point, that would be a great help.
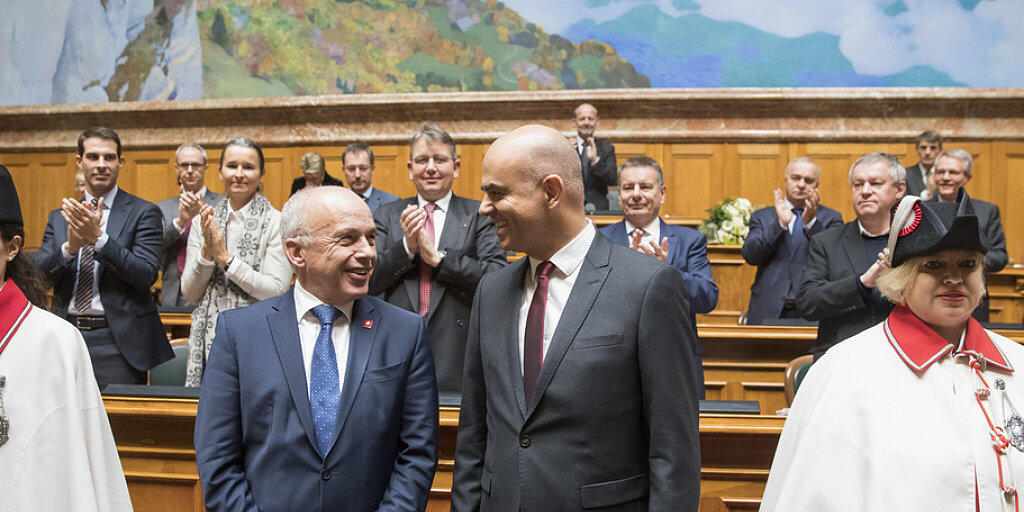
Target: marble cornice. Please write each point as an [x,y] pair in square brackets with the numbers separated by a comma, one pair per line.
[661,115]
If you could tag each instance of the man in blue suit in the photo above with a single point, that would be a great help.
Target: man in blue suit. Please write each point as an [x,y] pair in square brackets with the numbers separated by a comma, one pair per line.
[102,254]
[357,163]
[778,242]
[323,398]
[641,194]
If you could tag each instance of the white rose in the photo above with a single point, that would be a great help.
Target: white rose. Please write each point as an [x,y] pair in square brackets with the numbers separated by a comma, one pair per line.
[731,211]
[743,203]
[728,226]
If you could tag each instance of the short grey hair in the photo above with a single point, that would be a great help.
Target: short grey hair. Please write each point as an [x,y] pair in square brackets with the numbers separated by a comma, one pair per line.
[190,145]
[293,218]
[801,160]
[896,170]
[961,155]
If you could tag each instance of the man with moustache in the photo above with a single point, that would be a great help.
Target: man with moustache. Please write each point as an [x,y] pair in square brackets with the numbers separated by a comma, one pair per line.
[357,164]
[102,254]
[432,250]
[778,240]
[597,158]
[843,263]
[929,145]
[178,212]
[578,387]
[641,194]
[322,398]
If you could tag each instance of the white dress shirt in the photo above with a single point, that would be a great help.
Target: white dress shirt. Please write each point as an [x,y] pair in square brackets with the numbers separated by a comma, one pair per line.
[440,214]
[567,262]
[97,306]
[652,232]
[309,330]
[367,193]
[275,272]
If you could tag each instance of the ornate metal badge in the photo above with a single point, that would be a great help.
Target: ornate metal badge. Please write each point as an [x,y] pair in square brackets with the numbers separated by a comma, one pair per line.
[5,424]
[1015,429]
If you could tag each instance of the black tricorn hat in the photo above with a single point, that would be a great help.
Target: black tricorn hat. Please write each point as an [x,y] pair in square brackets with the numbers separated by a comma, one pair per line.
[921,228]
[10,207]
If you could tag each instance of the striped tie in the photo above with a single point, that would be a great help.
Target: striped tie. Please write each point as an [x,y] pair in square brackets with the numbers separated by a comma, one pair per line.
[86,263]
[426,271]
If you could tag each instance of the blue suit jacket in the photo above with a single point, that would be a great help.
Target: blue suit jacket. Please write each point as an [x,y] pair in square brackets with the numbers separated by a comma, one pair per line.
[766,247]
[255,443]
[128,266]
[688,253]
[380,198]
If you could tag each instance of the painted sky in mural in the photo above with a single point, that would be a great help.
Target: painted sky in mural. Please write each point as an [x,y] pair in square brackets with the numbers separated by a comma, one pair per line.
[119,50]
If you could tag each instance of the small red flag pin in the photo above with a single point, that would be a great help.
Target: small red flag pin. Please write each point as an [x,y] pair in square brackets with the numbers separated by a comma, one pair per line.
[367,324]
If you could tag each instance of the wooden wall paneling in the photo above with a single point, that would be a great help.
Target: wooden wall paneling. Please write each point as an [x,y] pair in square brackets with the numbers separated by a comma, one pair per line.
[279,165]
[1008,177]
[756,170]
[835,160]
[42,180]
[470,174]
[733,277]
[982,184]
[391,174]
[149,175]
[694,178]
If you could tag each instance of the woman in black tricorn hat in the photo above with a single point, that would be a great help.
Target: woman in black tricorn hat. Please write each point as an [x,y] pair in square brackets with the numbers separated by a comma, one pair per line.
[56,449]
[918,412]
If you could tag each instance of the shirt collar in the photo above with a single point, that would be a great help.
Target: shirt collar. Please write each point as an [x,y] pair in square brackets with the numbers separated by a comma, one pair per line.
[368,193]
[108,198]
[653,228]
[864,232]
[440,203]
[570,256]
[919,346]
[305,301]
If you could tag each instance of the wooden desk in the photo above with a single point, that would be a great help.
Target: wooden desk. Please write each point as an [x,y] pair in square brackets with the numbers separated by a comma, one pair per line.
[154,440]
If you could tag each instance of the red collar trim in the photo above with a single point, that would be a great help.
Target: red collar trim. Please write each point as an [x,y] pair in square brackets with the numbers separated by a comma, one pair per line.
[14,307]
[919,346]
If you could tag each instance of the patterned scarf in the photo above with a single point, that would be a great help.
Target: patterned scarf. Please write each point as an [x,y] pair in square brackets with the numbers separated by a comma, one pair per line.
[221,293]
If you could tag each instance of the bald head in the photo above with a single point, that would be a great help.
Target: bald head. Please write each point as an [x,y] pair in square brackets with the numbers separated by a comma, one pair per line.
[585,120]
[310,207]
[539,151]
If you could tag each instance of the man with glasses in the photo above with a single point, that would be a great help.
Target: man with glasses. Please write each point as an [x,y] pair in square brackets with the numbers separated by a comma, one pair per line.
[432,250]
[357,163]
[178,212]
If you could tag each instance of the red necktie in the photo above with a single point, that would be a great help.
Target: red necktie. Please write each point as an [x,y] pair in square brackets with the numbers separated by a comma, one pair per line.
[183,247]
[426,271]
[533,340]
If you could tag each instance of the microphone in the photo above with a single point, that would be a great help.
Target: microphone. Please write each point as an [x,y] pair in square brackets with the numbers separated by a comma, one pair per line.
[590,209]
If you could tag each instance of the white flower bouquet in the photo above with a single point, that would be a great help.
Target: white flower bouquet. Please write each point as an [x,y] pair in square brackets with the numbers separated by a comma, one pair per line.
[728,221]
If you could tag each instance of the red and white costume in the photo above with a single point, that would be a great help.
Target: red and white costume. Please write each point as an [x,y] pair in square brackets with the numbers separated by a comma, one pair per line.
[61,454]
[889,420]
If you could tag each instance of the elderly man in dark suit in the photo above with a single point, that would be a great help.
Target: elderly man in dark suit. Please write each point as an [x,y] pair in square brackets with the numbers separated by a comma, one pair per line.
[597,158]
[578,389]
[178,212]
[777,242]
[102,254]
[314,173]
[322,398]
[641,194]
[357,164]
[843,263]
[953,169]
[928,147]
[432,250]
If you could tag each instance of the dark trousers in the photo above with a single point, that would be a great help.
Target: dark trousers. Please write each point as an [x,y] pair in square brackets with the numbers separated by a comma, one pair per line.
[108,364]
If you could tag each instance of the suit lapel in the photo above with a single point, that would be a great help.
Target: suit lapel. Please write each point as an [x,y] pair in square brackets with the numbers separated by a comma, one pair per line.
[456,222]
[593,273]
[674,245]
[412,286]
[359,347]
[853,246]
[618,234]
[285,333]
[510,293]
[118,214]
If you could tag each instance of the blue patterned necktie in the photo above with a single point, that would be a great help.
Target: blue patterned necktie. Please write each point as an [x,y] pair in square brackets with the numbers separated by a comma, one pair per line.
[324,390]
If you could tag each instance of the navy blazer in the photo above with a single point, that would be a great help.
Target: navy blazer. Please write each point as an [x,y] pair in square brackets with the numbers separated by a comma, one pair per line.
[687,253]
[128,266]
[256,448]
[766,248]
[379,198]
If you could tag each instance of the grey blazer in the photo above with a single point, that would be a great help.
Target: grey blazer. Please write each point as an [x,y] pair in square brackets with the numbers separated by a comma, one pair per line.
[170,281]
[613,423]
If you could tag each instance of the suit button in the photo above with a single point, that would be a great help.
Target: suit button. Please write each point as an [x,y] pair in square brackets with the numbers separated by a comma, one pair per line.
[326,475]
[524,441]
[460,323]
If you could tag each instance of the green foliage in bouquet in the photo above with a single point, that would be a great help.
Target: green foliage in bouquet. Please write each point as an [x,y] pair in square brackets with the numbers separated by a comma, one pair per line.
[728,221]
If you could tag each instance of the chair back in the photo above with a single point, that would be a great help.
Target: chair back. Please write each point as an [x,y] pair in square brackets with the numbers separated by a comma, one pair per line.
[796,370]
[172,373]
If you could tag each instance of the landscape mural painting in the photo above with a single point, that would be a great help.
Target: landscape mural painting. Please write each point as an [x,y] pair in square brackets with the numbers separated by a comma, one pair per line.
[72,51]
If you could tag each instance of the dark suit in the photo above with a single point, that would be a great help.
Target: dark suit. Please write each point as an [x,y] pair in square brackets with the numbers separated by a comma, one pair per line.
[598,177]
[832,292]
[300,183]
[780,259]
[613,422]
[688,253]
[472,250]
[379,198]
[170,278]
[256,447]
[128,264]
[915,183]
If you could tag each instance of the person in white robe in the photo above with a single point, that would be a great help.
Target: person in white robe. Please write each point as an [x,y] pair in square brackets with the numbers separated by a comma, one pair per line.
[57,451]
[919,412]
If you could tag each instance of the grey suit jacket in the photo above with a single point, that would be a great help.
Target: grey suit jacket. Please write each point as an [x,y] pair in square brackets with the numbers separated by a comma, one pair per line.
[471,250]
[613,423]
[915,183]
[170,281]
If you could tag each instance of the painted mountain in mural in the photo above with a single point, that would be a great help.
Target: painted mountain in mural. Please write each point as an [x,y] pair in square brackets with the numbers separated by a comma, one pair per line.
[383,46]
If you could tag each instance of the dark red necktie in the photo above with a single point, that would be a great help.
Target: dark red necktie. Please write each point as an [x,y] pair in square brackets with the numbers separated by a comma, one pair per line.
[533,340]
[183,247]
[426,271]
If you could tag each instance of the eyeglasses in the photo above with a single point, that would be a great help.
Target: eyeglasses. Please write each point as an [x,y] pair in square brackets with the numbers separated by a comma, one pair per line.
[187,166]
